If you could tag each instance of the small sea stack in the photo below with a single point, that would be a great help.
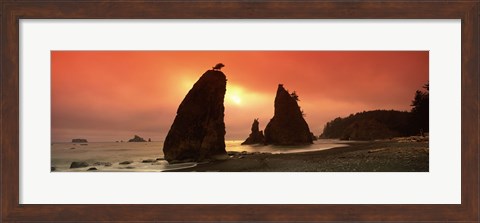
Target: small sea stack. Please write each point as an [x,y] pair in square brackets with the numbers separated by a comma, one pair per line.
[256,136]
[287,127]
[198,131]
[137,139]
[79,140]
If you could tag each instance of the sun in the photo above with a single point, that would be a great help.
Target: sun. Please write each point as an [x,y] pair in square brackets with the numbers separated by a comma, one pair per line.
[236,99]
[234,95]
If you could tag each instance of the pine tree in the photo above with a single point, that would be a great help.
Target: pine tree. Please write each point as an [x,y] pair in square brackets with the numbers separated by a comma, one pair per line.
[420,111]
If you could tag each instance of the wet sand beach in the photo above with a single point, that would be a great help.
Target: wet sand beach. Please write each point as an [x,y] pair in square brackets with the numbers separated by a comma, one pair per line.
[371,156]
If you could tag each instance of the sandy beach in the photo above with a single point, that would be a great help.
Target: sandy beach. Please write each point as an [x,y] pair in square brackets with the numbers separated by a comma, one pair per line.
[371,156]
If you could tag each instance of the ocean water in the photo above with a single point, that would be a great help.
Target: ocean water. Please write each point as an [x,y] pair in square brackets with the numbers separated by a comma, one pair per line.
[63,154]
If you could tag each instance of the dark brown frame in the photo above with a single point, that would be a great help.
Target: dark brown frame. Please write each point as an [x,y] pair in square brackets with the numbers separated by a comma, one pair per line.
[12,11]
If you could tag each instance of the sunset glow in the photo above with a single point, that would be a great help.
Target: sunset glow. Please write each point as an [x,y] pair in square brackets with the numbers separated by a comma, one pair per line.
[113,95]
[234,95]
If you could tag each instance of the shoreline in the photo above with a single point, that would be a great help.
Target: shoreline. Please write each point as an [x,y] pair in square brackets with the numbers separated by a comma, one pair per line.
[360,156]
[407,154]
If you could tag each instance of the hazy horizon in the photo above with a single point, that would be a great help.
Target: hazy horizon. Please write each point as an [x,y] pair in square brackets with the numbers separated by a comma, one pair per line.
[108,96]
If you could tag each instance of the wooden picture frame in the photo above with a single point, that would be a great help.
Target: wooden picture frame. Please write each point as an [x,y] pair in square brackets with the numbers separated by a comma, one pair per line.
[12,11]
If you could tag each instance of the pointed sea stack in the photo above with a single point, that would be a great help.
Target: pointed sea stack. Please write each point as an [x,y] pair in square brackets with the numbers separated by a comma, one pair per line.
[198,131]
[287,127]
[255,136]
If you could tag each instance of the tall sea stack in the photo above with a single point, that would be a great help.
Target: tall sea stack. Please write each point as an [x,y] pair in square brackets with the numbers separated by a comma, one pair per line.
[287,127]
[198,131]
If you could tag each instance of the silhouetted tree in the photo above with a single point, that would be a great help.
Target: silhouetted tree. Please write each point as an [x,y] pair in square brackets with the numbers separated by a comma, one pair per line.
[294,95]
[420,111]
[218,66]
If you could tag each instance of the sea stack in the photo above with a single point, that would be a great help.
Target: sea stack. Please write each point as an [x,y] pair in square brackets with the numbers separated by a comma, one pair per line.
[198,131]
[255,136]
[79,140]
[287,127]
[137,138]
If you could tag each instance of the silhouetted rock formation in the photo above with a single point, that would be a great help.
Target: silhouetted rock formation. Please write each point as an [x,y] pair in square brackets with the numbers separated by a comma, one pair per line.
[369,129]
[255,136]
[370,125]
[79,140]
[137,139]
[314,138]
[78,165]
[287,127]
[198,131]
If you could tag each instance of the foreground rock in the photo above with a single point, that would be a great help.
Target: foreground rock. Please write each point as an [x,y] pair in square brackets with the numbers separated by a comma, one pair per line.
[256,136]
[149,161]
[78,165]
[287,127]
[79,140]
[198,131]
[102,164]
[125,162]
[137,139]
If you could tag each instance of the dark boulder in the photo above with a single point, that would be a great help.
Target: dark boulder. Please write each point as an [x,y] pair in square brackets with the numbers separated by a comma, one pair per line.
[137,139]
[78,165]
[198,131]
[125,162]
[102,164]
[149,161]
[287,127]
[255,136]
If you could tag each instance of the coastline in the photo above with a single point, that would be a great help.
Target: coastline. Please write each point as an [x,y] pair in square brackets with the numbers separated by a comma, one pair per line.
[371,156]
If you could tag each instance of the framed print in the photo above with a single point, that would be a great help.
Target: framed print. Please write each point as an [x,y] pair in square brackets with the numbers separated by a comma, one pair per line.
[137,111]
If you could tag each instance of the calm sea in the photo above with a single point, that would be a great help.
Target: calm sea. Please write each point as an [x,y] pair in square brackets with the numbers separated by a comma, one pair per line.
[63,154]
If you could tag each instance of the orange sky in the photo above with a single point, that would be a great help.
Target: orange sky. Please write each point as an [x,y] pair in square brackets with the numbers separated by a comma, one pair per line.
[112,95]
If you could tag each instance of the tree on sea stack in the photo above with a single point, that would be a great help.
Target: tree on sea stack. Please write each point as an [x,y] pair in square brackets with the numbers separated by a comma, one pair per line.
[198,131]
[218,66]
